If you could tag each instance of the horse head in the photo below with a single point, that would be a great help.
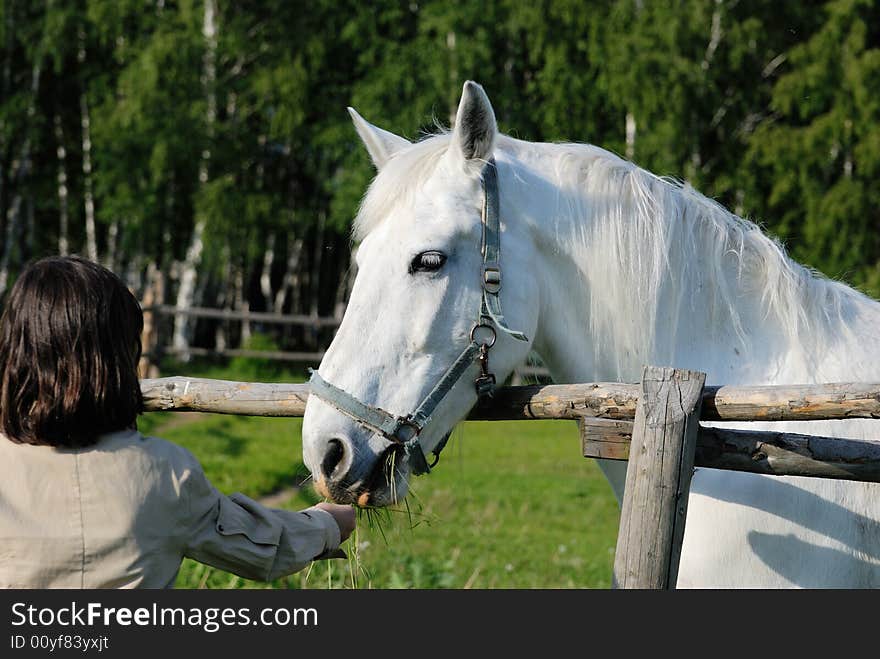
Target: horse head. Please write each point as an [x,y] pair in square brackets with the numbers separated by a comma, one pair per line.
[424,333]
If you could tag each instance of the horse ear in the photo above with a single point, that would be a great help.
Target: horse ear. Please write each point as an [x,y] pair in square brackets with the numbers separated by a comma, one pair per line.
[381,144]
[475,127]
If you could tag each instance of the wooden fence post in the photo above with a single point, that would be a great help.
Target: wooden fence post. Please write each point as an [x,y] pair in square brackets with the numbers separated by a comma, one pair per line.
[154,294]
[661,462]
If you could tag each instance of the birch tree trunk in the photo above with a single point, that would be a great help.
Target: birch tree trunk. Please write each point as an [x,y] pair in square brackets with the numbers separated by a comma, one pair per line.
[85,118]
[269,252]
[30,229]
[455,85]
[716,33]
[223,301]
[112,259]
[4,93]
[266,272]
[630,136]
[187,286]
[22,170]
[241,304]
[291,277]
[317,258]
[154,295]
[62,188]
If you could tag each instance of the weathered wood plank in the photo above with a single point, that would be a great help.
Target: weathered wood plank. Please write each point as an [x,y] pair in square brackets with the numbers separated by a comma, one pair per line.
[788,454]
[566,401]
[720,403]
[756,451]
[808,402]
[608,400]
[224,396]
[661,462]
[605,438]
[283,399]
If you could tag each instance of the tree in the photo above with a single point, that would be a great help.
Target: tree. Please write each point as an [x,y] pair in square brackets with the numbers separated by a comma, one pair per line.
[820,151]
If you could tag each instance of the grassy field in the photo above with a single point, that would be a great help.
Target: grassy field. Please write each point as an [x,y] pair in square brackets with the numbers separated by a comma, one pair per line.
[511,504]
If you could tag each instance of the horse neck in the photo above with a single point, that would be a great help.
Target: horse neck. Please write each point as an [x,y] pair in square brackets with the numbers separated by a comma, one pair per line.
[635,270]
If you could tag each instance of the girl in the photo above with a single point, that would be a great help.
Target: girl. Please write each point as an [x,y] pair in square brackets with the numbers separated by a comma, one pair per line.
[86,501]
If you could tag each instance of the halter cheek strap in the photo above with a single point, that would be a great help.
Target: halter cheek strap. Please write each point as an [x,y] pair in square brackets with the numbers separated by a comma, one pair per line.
[405,430]
[491,251]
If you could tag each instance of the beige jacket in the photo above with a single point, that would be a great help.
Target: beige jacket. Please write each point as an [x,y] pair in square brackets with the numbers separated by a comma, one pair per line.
[124,513]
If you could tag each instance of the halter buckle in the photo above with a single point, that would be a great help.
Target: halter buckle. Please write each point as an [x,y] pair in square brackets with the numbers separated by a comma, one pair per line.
[406,429]
[491,277]
[485,382]
[485,385]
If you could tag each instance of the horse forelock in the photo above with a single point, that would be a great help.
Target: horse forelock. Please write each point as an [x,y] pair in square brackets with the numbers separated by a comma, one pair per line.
[397,182]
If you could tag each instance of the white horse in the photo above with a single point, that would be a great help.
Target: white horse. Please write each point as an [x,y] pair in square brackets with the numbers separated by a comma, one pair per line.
[606,268]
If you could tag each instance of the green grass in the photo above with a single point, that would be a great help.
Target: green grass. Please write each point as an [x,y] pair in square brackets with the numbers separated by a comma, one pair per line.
[510,505]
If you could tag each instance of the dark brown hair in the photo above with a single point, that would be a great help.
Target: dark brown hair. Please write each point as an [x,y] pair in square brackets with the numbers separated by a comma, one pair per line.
[69,348]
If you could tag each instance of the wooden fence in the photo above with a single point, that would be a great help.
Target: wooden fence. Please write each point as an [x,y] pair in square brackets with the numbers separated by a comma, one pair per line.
[654,424]
[155,346]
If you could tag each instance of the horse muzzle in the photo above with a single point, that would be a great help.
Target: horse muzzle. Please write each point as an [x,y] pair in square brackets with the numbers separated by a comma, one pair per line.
[386,482]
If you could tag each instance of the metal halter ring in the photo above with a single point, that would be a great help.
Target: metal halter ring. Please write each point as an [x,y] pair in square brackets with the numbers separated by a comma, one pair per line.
[487,344]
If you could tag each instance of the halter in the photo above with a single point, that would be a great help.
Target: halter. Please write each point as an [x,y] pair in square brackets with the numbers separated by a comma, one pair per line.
[405,430]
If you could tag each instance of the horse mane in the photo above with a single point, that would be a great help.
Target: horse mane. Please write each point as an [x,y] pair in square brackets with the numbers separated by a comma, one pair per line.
[655,253]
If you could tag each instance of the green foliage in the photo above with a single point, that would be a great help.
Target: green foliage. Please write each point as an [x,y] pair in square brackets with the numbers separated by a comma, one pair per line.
[821,151]
[772,110]
[247,369]
[257,369]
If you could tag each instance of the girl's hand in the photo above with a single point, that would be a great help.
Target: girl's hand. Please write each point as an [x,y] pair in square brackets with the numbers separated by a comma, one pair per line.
[344,515]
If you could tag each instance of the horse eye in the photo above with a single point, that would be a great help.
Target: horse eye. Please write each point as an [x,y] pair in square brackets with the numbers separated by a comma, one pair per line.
[427,262]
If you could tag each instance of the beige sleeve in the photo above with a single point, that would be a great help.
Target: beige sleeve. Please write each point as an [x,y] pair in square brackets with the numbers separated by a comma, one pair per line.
[242,536]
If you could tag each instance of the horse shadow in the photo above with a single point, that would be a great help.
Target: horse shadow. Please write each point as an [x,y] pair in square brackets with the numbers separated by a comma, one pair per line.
[775,551]
[783,553]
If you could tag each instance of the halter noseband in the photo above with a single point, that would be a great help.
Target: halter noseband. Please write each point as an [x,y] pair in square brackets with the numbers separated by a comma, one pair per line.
[405,430]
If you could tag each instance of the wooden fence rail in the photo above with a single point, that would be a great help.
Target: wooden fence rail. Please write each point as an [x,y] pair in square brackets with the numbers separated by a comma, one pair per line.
[605,412]
[272,355]
[251,316]
[608,400]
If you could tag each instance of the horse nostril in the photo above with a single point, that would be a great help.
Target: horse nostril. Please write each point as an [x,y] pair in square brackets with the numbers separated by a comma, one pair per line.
[334,455]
